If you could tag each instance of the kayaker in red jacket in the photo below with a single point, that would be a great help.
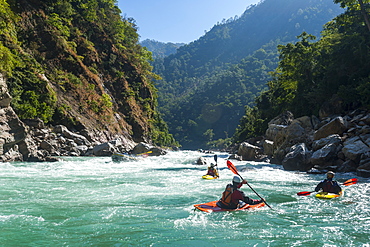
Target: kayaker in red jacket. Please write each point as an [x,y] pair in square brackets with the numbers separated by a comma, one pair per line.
[233,198]
[328,185]
[212,171]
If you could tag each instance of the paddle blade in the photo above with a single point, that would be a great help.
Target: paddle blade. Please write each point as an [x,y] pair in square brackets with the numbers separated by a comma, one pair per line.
[350,182]
[304,193]
[215,157]
[232,167]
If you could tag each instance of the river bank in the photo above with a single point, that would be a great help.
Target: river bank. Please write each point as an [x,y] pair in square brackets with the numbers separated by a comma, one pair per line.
[338,143]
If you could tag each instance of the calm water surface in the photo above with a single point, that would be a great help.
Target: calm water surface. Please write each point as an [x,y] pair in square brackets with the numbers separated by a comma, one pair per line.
[95,202]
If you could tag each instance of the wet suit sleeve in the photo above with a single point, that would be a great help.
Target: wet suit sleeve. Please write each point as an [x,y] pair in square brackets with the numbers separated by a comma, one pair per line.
[236,196]
[319,186]
[337,187]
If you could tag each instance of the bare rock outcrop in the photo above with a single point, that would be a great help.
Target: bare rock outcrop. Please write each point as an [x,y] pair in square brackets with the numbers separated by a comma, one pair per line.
[335,142]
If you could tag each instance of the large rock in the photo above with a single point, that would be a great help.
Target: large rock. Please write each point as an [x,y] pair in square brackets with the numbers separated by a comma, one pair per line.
[275,132]
[5,97]
[104,149]
[156,151]
[353,148]
[297,159]
[145,148]
[201,161]
[364,170]
[249,151]
[305,122]
[285,118]
[324,155]
[79,139]
[15,144]
[335,126]
[141,148]
[268,147]
[332,139]
[347,166]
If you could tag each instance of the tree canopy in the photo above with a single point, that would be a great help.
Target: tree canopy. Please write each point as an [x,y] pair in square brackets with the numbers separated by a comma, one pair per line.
[312,72]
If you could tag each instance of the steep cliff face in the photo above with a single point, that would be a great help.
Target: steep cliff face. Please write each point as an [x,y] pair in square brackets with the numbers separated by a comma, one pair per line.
[15,143]
[79,64]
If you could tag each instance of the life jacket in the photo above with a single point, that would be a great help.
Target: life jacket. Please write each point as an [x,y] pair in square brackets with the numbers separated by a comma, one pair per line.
[330,186]
[211,171]
[226,201]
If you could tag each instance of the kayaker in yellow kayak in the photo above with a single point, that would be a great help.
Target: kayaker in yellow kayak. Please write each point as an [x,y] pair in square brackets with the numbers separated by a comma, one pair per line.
[233,198]
[212,171]
[328,185]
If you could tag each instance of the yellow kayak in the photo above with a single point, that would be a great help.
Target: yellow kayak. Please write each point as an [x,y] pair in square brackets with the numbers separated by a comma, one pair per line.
[208,177]
[327,195]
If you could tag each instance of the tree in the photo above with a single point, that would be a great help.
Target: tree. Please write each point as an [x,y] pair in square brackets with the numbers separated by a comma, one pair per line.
[209,134]
[354,5]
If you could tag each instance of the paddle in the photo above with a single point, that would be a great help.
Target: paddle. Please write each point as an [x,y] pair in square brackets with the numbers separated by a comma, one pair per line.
[218,173]
[346,183]
[149,152]
[235,171]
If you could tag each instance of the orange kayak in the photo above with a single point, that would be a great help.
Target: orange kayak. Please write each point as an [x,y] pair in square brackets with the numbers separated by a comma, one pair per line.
[210,207]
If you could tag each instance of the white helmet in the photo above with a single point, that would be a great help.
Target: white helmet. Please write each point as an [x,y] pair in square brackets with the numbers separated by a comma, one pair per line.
[237,179]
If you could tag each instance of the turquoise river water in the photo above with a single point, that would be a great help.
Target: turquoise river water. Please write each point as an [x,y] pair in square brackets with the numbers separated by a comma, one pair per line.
[93,201]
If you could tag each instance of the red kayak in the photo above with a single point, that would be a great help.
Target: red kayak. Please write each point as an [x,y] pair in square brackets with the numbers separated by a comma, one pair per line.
[210,207]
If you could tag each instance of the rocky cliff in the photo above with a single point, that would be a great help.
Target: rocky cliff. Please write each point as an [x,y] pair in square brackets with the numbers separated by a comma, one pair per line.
[314,144]
[75,64]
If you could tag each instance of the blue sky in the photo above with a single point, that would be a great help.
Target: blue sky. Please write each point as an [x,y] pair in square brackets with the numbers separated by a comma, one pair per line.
[180,21]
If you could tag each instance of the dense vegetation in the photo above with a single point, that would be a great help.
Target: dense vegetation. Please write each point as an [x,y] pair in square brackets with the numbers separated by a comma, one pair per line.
[160,49]
[207,83]
[79,63]
[312,72]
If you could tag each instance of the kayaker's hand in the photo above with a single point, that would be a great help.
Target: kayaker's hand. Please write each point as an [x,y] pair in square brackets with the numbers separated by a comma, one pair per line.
[244,181]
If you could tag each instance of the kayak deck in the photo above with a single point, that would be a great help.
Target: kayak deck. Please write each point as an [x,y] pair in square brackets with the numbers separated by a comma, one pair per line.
[210,207]
[327,195]
[208,177]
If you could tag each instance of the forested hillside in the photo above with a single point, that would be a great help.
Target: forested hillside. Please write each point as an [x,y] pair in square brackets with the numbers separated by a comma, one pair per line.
[160,49]
[207,83]
[313,73]
[79,63]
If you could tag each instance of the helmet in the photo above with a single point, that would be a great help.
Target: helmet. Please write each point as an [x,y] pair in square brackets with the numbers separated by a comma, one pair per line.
[237,179]
[330,172]
[212,165]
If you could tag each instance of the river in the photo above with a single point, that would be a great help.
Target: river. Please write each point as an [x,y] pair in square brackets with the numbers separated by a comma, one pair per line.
[92,201]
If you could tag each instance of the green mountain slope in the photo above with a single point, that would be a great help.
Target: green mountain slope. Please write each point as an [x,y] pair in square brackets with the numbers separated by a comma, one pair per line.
[78,63]
[207,83]
[322,77]
[160,49]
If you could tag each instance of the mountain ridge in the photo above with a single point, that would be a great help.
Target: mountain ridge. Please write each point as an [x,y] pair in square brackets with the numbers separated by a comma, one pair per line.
[198,63]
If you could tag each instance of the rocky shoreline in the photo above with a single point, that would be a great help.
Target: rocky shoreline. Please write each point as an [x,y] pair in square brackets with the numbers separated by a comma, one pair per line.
[31,140]
[311,144]
[338,143]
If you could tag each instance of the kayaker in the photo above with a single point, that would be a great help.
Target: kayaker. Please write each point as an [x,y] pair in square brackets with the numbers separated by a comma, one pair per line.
[328,185]
[212,171]
[233,198]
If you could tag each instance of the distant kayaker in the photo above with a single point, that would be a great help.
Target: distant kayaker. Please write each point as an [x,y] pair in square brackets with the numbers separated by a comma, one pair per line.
[328,185]
[212,171]
[233,198]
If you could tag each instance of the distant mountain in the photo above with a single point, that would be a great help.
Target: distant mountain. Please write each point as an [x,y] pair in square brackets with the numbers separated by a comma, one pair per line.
[161,49]
[207,83]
